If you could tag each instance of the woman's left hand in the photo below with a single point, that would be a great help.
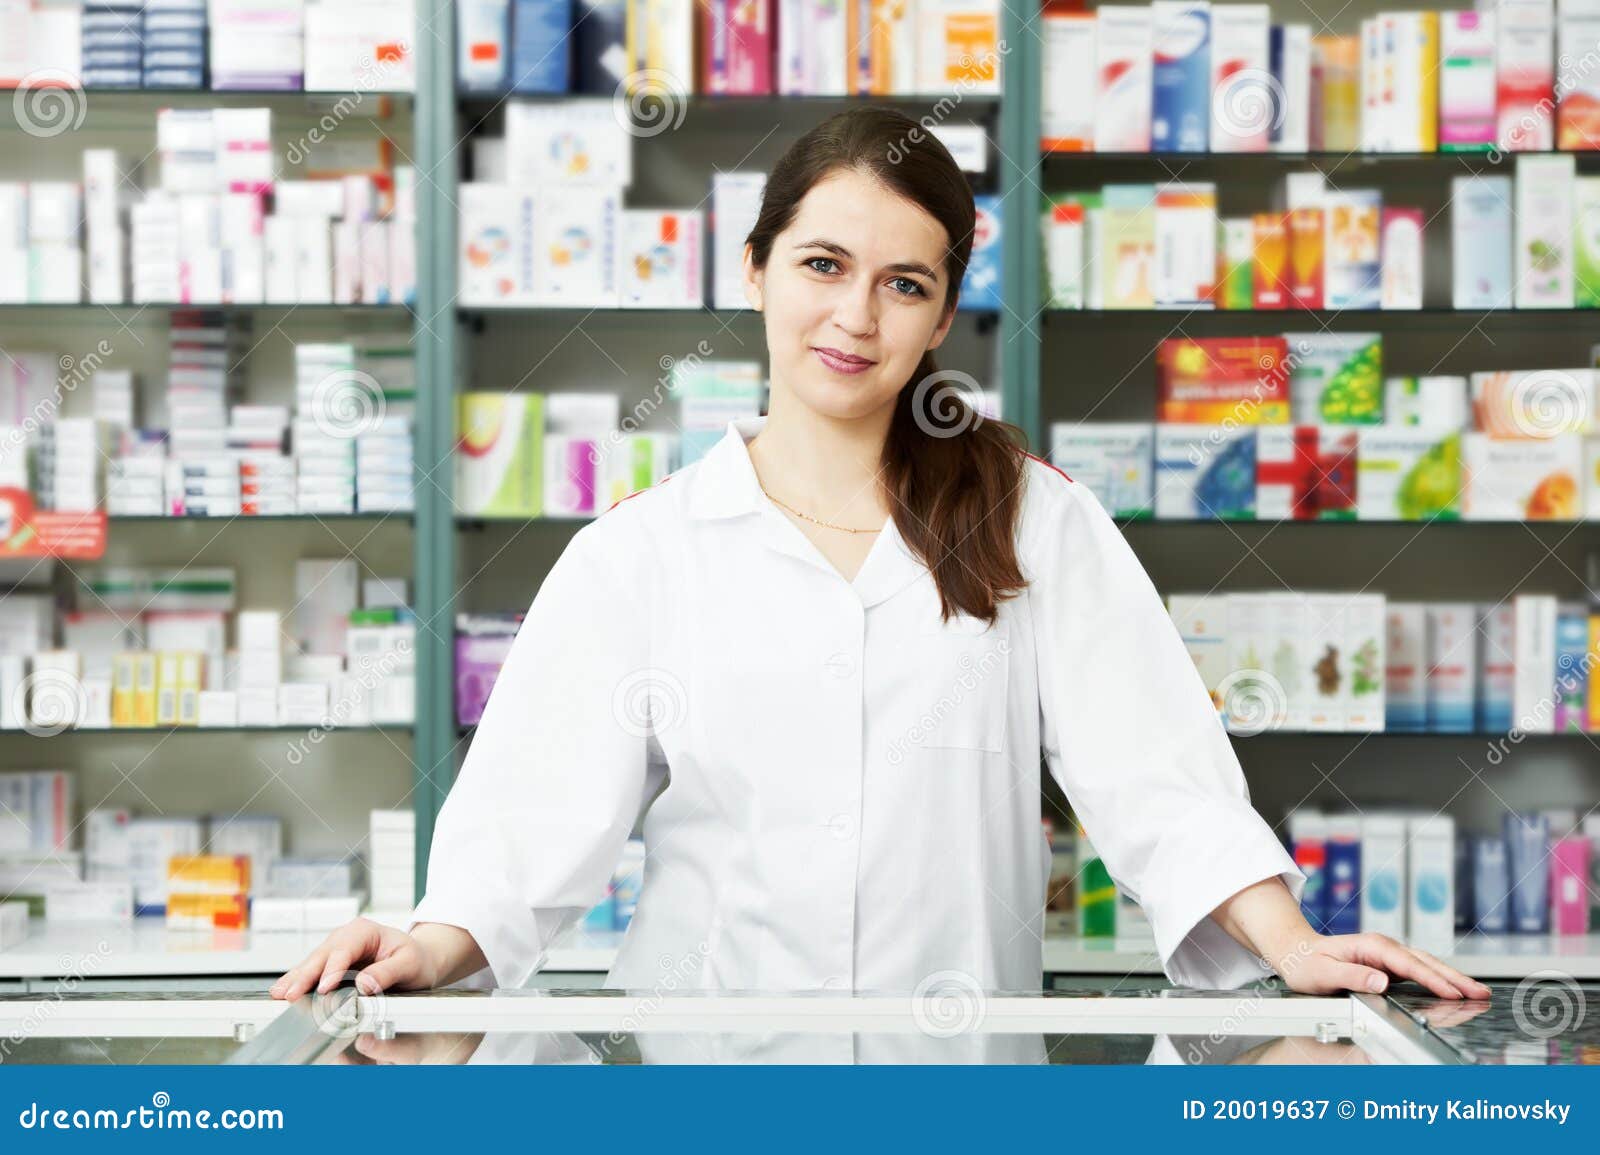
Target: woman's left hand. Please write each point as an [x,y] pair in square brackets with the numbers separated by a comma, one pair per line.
[1332,963]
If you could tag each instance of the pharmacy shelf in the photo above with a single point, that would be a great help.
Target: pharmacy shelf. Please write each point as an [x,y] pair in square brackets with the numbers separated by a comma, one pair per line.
[1144,523]
[653,315]
[467,522]
[814,105]
[274,518]
[1592,738]
[30,307]
[1391,525]
[165,93]
[131,112]
[481,311]
[159,309]
[397,728]
[1367,523]
[146,948]
[254,94]
[1323,159]
[1187,312]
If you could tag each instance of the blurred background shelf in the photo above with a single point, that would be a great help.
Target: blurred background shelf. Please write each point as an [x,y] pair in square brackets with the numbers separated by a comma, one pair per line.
[1275,320]
[37,309]
[195,731]
[1326,161]
[266,519]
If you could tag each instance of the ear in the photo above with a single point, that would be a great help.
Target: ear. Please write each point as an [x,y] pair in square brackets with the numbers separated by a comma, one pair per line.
[754,280]
[944,327]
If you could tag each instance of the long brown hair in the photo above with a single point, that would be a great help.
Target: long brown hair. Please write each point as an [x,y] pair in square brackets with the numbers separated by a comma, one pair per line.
[953,480]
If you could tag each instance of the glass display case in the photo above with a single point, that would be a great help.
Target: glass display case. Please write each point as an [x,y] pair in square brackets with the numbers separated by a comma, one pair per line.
[953,1025]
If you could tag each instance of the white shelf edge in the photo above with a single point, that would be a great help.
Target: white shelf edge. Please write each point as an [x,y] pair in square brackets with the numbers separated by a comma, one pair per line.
[146,948]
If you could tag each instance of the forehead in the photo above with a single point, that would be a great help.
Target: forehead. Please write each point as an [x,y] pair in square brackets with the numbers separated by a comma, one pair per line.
[875,223]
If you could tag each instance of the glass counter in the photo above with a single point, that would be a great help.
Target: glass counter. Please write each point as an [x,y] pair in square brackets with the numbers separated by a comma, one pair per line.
[954,1025]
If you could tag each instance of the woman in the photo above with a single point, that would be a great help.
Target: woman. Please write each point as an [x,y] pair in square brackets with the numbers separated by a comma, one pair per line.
[826,659]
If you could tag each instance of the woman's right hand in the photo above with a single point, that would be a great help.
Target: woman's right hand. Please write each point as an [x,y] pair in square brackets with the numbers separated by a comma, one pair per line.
[385,957]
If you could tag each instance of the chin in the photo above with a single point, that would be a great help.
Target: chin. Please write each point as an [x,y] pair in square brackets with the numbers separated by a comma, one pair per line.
[842,400]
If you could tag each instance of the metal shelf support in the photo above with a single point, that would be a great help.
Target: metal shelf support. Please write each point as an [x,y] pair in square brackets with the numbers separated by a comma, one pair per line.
[435,342]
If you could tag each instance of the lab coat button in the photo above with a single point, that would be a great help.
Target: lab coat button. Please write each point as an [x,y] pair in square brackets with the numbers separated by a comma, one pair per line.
[841,665]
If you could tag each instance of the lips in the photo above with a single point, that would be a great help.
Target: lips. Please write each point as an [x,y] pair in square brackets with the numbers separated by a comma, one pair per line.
[841,361]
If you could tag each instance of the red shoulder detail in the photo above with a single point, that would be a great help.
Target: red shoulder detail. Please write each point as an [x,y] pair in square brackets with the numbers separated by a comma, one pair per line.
[1047,464]
[635,494]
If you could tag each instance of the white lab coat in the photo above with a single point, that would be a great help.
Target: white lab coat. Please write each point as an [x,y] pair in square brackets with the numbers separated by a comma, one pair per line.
[852,787]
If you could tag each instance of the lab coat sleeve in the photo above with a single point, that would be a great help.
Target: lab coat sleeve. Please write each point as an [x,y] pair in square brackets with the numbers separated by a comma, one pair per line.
[529,835]
[1130,733]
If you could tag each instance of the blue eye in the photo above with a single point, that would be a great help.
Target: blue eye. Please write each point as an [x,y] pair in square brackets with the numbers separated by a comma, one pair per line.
[911,288]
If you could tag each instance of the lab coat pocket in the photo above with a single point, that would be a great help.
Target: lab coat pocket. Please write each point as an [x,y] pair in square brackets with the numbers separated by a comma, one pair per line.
[963,674]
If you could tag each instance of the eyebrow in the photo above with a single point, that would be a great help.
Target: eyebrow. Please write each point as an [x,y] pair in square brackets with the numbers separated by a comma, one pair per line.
[898,267]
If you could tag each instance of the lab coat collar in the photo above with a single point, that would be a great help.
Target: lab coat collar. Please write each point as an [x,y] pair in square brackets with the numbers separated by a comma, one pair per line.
[726,486]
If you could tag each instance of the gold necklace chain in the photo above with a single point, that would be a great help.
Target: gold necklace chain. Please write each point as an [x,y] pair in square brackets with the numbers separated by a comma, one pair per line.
[816,520]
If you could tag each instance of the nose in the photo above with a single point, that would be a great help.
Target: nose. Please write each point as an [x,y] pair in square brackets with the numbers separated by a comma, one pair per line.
[855,312]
